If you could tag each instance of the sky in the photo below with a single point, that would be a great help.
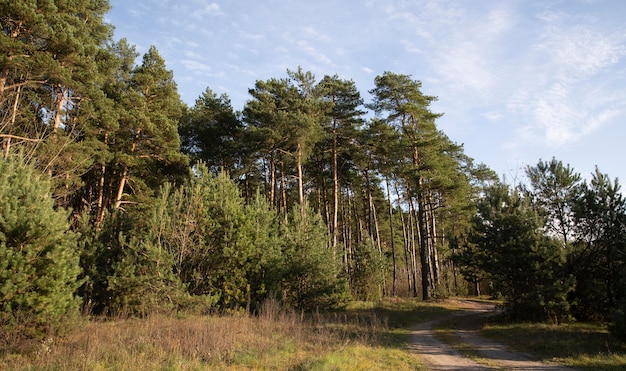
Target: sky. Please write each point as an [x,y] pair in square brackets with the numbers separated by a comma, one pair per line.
[517,81]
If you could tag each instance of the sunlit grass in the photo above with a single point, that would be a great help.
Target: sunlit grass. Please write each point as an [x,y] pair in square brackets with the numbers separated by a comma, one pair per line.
[580,345]
[363,337]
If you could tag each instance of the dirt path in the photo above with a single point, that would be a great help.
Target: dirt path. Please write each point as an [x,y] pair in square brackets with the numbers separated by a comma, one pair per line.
[440,356]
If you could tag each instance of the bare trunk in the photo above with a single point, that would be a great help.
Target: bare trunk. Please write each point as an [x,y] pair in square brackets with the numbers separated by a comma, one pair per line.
[300,180]
[7,141]
[283,189]
[4,75]
[120,188]
[100,203]
[272,180]
[394,285]
[424,243]
[335,191]
[436,266]
[59,104]
[405,240]
[345,214]
[124,176]
[415,238]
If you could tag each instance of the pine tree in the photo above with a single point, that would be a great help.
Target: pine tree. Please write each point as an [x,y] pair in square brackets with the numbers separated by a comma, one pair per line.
[407,110]
[598,256]
[38,253]
[525,266]
[212,133]
[311,278]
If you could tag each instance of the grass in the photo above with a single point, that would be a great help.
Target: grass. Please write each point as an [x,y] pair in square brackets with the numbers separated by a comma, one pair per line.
[583,346]
[365,336]
[580,345]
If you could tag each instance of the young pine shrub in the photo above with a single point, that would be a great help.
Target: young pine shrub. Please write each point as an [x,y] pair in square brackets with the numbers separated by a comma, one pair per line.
[39,262]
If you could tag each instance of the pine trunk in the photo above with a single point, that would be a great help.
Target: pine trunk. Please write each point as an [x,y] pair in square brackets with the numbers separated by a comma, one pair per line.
[394,285]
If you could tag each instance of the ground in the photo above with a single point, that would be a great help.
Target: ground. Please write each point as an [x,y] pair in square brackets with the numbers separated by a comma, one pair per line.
[440,356]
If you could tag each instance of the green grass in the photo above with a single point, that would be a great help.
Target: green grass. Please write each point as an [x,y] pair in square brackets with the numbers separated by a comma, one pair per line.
[580,345]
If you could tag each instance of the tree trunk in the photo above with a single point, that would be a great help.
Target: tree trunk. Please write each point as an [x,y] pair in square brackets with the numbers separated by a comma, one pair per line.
[100,202]
[283,190]
[405,240]
[424,243]
[272,180]
[414,235]
[335,220]
[4,76]
[394,285]
[59,107]
[124,176]
[7,140]
[300,180]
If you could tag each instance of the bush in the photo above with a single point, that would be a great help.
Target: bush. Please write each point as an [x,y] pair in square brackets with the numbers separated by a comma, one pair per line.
[39,263]
[311,277]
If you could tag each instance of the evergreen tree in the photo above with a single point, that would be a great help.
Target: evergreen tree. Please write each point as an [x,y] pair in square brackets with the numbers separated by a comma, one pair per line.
[49,86]
[148,142]
[554,188]
[331,161]
[311,277]
[285,117]
[212,133]
[598,257]
[223,250]
[525,266]
[427,166]
[143,279]
[38,257]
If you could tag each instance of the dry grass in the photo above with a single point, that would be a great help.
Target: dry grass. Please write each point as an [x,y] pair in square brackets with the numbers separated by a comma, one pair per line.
[275,339]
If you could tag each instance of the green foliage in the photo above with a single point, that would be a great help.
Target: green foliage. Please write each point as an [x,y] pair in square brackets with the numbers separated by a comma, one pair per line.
[211,132]
[553,188]
[221,249]
[598,257]
[311,277]
[367,272]
[143,280]
[38,257]
[524,265]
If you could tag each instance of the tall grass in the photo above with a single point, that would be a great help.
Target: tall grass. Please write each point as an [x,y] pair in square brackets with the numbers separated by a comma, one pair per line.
[274,339]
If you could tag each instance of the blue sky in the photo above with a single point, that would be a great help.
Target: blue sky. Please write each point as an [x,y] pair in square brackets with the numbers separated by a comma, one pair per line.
[517,80]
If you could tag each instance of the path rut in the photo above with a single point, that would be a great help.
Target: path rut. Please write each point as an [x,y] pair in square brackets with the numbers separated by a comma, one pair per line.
[442,357]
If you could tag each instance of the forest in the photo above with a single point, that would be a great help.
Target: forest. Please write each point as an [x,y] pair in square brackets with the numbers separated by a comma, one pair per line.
[118,199]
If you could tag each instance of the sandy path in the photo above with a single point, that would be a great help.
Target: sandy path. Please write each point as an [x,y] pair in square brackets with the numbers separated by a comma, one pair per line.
[440,356]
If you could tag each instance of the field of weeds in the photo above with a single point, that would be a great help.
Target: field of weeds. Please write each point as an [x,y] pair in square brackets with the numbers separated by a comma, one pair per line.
[275,339]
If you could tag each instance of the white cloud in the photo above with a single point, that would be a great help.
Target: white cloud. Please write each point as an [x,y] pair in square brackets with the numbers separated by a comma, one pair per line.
[566,103]
[313,52]
[493,115]
[410,47]
[196,66]
[206,10]
[579,51]
[193,55]
[468,53]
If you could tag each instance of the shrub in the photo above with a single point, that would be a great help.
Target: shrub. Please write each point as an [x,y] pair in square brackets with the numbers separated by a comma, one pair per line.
[38,258]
